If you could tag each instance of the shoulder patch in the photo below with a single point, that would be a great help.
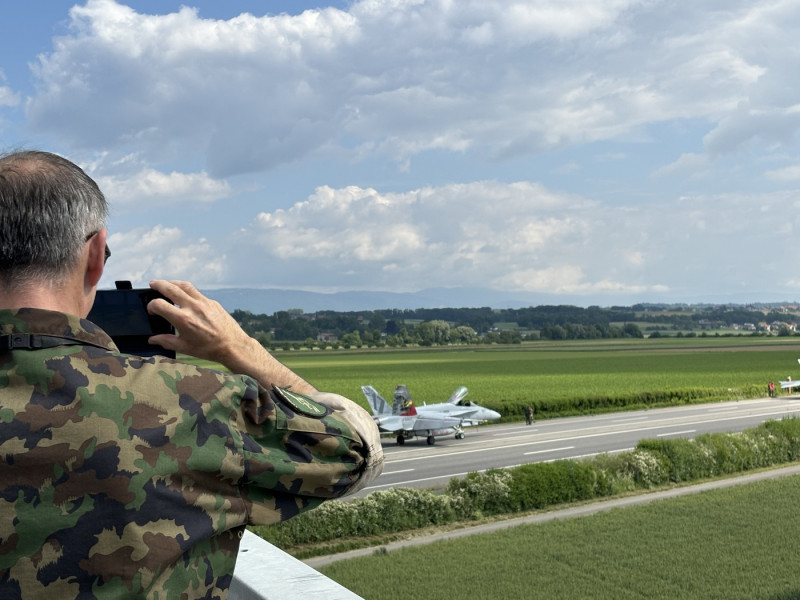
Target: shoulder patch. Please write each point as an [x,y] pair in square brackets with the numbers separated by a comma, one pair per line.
[301,403]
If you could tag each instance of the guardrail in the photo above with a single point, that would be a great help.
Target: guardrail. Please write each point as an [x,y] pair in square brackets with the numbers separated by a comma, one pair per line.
[264,572]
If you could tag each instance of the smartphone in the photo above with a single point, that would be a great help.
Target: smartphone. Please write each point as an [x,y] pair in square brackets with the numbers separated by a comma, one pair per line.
[122,314]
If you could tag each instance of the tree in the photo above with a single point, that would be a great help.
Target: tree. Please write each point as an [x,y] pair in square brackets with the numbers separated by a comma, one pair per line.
[463,335]
[393,326]
[510,337]
[433,333]
[352,340]
[377,321]
[632,330]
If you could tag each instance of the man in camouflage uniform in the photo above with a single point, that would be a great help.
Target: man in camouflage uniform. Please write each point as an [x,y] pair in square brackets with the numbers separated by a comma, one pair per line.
[130,477]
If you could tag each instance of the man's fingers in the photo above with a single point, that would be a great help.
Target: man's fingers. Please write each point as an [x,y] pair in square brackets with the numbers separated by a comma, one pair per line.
[166,340]
[174,290]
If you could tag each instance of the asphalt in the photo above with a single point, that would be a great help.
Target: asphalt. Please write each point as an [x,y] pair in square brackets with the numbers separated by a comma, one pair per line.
[566,513]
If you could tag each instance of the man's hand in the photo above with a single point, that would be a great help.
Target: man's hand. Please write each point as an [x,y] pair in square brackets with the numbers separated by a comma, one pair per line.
[206,330]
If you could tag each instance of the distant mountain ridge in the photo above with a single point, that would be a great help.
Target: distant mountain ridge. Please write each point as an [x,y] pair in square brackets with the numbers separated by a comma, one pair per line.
[270,301]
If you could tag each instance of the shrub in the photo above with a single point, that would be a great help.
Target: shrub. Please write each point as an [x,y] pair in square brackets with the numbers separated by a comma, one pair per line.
[788,432]
[686,459]
[612,476]
[544,484]
[646,469]
[387,511]
[481,493]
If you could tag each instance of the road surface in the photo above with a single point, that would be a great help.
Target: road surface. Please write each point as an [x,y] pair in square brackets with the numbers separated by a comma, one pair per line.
[416,464]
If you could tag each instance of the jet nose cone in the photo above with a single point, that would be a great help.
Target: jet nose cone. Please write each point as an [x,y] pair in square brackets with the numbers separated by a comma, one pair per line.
[493,414]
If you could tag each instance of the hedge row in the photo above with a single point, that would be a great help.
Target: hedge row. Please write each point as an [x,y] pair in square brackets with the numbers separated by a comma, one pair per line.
[651,464]
[563,407]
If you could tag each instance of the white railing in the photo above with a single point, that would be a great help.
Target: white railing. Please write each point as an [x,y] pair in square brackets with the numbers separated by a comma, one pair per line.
[264,572]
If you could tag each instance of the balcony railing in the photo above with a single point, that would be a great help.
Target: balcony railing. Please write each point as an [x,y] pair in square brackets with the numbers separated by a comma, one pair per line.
[264,572]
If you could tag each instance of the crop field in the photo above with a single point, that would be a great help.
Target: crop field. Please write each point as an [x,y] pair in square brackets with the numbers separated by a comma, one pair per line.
[506,378]
[739,542]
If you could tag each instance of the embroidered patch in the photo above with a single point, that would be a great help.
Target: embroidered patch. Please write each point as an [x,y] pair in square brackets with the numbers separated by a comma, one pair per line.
[302,403]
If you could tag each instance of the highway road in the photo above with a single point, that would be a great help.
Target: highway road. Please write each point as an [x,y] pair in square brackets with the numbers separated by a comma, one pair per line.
[416,464]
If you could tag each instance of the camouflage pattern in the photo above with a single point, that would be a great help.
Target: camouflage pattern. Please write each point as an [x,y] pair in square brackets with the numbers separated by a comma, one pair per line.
[128,477]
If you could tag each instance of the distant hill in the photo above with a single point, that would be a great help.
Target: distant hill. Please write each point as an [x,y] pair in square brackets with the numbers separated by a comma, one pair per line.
[270,301]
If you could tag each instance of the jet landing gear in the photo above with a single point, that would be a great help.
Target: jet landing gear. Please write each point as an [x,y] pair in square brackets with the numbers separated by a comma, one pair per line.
[400,439]
[431,440]
[459,433]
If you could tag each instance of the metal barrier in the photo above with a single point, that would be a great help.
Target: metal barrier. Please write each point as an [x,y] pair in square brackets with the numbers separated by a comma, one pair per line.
[264,572]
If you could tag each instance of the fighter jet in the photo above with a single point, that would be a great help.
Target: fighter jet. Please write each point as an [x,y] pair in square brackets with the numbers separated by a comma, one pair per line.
[429,420]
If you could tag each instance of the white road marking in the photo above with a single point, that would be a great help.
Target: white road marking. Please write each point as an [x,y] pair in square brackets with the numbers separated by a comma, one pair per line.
[516,431]
[398,472]
[549,450]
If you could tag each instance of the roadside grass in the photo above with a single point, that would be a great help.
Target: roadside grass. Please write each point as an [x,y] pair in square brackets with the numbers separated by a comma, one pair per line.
[740,542]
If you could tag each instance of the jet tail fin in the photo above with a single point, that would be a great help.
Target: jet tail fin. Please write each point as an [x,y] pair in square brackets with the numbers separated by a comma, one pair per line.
[376,402]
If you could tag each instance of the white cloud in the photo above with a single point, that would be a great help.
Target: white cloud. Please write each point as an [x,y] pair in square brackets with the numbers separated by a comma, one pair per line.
[140,255]
[446,235]
[250,93]
[689,164]
[149,185]
[517,236]
[565,279]
[8,97]
[514,237]
[790,173]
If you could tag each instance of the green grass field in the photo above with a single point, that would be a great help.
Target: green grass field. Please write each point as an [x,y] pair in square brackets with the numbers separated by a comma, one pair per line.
[741,542]
[737,543]
[506,378]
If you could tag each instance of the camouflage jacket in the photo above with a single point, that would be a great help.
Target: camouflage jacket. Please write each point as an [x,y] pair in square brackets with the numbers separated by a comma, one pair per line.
[129,477]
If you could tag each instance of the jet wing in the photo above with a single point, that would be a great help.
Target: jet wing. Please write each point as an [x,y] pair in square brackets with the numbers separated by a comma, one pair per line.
[425,422]
[395,424]
[787,385]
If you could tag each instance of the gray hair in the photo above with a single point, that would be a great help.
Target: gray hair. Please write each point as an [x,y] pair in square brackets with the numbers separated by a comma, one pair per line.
[48,209]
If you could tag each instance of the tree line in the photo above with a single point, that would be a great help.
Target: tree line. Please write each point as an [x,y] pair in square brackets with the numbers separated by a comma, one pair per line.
[440,326]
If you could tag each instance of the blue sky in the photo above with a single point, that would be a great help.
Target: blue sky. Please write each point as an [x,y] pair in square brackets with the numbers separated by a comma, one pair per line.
[591,151]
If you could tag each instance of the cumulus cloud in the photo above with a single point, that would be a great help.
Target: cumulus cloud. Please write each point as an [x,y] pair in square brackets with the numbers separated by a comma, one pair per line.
[518,237]
[140,254]
[151,186]
[398,78]
[485,234]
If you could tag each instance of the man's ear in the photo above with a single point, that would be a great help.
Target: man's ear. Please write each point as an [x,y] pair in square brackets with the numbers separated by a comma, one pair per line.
[97,259]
